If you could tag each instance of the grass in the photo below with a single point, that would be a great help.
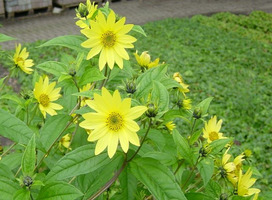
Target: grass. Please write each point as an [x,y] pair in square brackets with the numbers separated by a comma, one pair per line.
[225,56]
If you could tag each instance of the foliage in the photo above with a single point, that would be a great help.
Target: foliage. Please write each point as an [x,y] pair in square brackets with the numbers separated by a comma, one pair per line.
[56,153]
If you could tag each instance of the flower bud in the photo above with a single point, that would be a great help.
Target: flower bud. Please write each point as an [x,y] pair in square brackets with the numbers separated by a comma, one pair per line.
[223,196]
[27,181]
[82,10]
[130,87]
[197,113]
[151,110]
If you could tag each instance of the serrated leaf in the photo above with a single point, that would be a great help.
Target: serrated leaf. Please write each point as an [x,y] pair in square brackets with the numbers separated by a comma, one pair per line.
[204,105]
[206,168]
[197,196]
[7,189]
[69,41]
[157,178]
[22,194]
[217,145]
[183,147]
[160,93]
[53,67]
[79,161]
[139,29]
[58,190]
[52,129]
[4,38]
[29,157]
[13,128]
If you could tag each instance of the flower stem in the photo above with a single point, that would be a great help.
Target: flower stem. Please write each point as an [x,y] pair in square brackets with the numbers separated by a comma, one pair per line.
[5,81]
[192,171]
[4,153]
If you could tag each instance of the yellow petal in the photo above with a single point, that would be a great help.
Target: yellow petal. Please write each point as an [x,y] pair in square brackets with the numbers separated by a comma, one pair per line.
[112,147]
[136,112]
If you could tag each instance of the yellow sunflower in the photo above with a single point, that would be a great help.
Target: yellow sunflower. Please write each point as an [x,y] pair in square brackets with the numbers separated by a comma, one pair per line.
[85,13]
[65,141]
[46,94]
[20,59]
[244,183]
[170,126]
[211,130]
[86,87]
[229,168]
[187,104]
[113,122]
[184,87]
[109,38]
[144,60]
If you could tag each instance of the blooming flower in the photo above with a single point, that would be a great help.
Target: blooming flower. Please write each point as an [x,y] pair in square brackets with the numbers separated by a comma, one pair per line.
[144,60]
[85,13]
[170,126]
[46,94]
[65,141]
[20,59]
[86,87]
[211,130]
[244,183]
[109,39]
[228,168]
[187,104]
[112,122]
[184,87]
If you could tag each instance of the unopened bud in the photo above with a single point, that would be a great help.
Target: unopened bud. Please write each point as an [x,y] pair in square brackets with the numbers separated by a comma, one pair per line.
[197,113]
[151,110]
[82,10]
[223,196]
[130,87]
[27,181]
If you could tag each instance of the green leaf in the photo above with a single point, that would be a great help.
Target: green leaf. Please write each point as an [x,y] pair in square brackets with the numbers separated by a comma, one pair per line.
[195,136]
[103,175]
[183,147]
[139,29]
[4,38]
[182,114]
[170,83]
[241,198]
[80,161]
[5,172]
[53,67]
[52,129]
[2,81]
[12,160]
[217,145]
[213,189]
[13,128]
[160,92]
[22,194]
[14,98]
[59,190]
[157,178]
[164,158]
[29,157]
[7,189]
[69,41]
[206,168]
[197,196]
[204,105]
[90,75]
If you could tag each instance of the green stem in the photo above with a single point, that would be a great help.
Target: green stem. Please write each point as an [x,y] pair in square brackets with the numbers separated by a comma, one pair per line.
[33,115]
[179,165]
[114,178]
[5,81]
[192,171]
[193,127]
[4,153]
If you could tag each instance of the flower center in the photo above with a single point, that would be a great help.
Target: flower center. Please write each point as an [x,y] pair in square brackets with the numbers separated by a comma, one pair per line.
[213,136]
[44,100]
[108,39]
[115,121]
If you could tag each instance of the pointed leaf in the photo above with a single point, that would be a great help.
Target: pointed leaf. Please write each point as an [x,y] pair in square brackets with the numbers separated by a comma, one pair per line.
[206,168]
[139,29]
[197,196]
[29,157]
[7,189]
[4,38]
[53,67]
[157,178]
[217,145]
[90,75]
[58,190]
[22,194]
[160,93]
[13,128]
[204,105]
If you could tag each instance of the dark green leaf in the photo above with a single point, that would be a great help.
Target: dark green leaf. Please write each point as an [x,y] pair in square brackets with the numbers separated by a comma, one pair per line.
[80,161]
[213,189]
[206,168]
[29,157]
[197,196]
[58,190]
[13,128]
[157,178]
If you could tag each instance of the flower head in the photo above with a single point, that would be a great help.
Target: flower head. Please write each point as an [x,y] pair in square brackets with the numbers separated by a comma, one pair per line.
[170,126]
[144,60]
[228,168]
[20,59]
[109,38]
[113,122]
[65,141]
[184,87]
[46,94]
[211,130]
[86,87]
[187,104]
[244,183]
[86,13]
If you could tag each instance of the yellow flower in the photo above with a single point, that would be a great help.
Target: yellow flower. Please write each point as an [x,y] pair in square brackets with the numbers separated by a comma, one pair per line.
[109,39]
[184,87]
[20,59]
[187,104]
[144,60]
[112,122]
[211,130]
[83,89]
[65,141]
[85,13]
[229,168]
[46,94]
[170,126]
[244,183]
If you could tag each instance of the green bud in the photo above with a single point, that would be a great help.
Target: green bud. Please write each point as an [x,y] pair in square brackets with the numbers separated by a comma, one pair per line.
[203,152]
[130,87]
[197,113]
[223,196]
[27,181]
[72,72]
[82,10]
[151,110]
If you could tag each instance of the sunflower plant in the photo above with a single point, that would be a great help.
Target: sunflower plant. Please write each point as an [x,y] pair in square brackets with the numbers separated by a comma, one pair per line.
[112,124]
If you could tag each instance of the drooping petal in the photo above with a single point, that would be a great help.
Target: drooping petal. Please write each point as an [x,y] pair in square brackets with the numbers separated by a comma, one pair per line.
[112,147]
